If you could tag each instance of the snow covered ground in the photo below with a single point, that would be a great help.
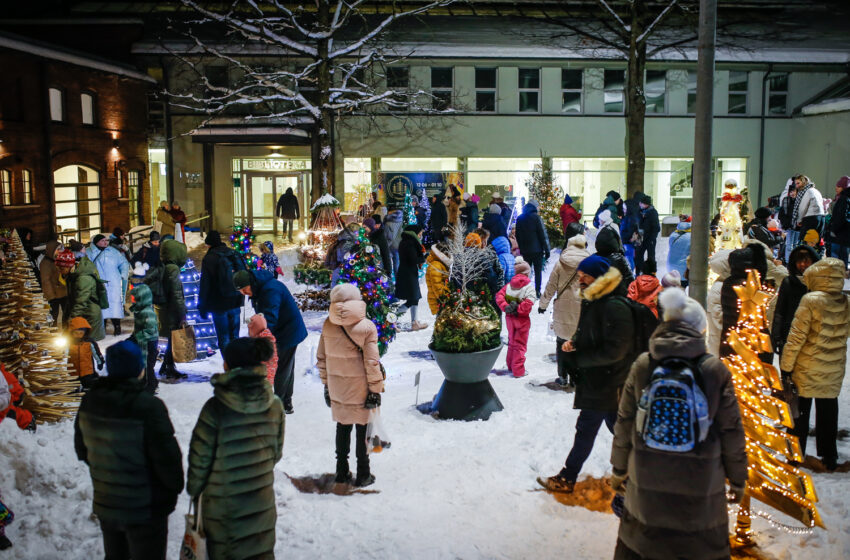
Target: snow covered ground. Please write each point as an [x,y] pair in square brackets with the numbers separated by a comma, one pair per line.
[445,489]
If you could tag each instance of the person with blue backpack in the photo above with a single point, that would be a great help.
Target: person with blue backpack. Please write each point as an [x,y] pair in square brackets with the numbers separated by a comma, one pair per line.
[677,441]
[502,247]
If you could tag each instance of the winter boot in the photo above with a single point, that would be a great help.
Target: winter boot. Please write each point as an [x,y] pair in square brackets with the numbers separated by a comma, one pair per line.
[364,474]
[418,326]
[116,327]
[5,542]
[559,483]
[343,475]
[288,408]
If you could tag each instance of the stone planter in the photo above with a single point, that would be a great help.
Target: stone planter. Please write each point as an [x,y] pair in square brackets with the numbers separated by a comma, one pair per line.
[469,367]
[466,394]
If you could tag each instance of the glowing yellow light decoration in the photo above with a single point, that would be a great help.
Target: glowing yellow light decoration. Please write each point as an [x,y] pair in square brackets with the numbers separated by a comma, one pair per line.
[771,479]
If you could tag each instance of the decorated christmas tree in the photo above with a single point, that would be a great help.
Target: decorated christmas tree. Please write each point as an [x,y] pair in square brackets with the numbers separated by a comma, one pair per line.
[409,213]
[362,267]
[324,227]
[730,218]
[542,188]
[206,341]
[426,205]
[773,480]
[242,239]
[31,346]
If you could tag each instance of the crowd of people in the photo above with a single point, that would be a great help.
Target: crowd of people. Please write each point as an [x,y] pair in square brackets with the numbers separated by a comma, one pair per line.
[616,323]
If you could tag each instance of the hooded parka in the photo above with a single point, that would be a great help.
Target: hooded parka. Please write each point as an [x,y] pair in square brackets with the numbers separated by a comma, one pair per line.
[348,358]
[816,349]
[51,284]
[114,270]
[235,445]
[173,312]
[791,291]
[675,503]
[645,290]
[437,277]
[563,286]
[83,299]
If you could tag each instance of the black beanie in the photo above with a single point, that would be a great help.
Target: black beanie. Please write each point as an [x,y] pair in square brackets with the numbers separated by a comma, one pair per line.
[762,213]
[248,352]
[213,238]
[154,236]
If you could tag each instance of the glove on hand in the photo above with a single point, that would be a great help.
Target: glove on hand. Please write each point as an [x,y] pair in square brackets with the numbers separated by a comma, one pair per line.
[327,396]
[373,400]
[511,308]
[735,494]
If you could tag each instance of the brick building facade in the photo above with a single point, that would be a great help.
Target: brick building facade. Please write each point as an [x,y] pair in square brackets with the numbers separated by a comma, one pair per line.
[73,143]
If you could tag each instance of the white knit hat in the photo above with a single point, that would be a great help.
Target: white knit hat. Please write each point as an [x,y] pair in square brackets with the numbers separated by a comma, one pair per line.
[679,307]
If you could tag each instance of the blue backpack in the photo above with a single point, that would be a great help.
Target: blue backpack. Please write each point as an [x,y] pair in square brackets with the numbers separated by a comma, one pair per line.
[673,411]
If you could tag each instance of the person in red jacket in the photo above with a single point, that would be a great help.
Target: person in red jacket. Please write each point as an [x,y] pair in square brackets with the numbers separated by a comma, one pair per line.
[516,299]
[646,288]
[258,327]
[570,215]
[22,416]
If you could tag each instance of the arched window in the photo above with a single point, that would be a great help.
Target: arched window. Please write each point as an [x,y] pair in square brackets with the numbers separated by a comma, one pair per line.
[77,195]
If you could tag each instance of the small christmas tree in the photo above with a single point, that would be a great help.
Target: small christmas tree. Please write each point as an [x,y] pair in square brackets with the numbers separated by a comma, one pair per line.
[409,213]
[362,267]
[772,479]
[242,239]
[30,344]
[206,341]
[542,188]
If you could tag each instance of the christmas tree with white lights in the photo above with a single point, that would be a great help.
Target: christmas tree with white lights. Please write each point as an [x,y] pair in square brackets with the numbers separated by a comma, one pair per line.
[542,188]
[206,341]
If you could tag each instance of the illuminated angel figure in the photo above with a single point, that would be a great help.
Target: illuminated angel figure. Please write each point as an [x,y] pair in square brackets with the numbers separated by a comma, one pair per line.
[731,234]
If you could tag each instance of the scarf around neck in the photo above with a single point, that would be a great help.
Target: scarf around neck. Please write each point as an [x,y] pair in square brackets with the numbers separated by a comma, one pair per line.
[795,213]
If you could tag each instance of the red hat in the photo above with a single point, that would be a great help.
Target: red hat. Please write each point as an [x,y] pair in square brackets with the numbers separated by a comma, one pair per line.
[65,259]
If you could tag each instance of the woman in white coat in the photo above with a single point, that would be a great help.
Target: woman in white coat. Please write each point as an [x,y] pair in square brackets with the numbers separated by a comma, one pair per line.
[113,269]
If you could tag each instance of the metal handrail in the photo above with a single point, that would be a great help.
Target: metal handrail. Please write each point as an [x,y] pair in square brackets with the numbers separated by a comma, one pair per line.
[202,216]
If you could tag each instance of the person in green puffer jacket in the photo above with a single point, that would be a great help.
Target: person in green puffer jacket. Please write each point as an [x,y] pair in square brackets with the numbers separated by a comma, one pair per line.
[125,436]
[83,298]
[145,331]
[235,445]
[172,313]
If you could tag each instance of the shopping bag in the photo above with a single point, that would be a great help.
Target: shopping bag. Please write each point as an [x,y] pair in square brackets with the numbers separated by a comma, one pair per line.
[194,545]
[377,438]
[183,344]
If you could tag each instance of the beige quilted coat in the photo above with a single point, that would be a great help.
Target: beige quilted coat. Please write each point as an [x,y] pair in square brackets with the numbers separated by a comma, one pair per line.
[563,282]
[349,373]
[816,351]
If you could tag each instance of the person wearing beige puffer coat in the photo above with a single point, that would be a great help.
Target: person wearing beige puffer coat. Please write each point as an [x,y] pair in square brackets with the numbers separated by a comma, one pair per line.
[349,366]
[816,354]
[719,265]
[563,285]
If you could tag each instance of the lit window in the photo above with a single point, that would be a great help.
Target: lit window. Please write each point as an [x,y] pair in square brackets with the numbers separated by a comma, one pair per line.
[485,90]
[87,101]
[571,90]
[442,83]
[398,77]
[529,90]
[778,94]
[6,186]
[57,105]
[655,91]
[738,93]
[613,90]
[27,180]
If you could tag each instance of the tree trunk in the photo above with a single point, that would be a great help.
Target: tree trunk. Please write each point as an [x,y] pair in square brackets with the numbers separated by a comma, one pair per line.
[635,106]
[323,161]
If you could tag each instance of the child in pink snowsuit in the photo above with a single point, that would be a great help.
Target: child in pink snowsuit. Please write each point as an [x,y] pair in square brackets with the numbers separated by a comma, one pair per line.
[516,299]
[258,328]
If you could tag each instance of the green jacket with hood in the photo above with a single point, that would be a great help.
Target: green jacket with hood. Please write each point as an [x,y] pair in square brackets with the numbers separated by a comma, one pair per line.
[84,302]
[145,327]
[235,445]
[173,312]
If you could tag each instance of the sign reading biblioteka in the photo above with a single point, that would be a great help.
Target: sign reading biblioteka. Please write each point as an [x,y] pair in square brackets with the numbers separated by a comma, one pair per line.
[275,164]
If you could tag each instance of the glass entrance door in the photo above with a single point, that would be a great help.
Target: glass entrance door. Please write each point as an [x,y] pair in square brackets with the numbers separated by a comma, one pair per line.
[258,198]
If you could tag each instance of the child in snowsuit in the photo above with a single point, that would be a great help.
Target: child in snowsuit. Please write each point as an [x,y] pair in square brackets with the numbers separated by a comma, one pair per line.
[84,353]
[10,400]
[269,259]
[516,299]
[145,331]
[258,328]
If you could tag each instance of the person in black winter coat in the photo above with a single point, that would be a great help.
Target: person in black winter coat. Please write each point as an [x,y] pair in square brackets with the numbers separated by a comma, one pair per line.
[439,217]
[288,211]
[839,222]
[600,352]
[379,240]
[630,225]
[650,227]
[791,291]
[532,241]
[740,260]
[493,223]
[469,214]
[216,295]
[758,229]
[149,253]
[610,247]
[411,256]
[124,435]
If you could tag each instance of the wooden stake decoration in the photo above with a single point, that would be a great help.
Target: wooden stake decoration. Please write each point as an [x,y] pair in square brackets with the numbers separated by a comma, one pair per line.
[30,344]
[772,480]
